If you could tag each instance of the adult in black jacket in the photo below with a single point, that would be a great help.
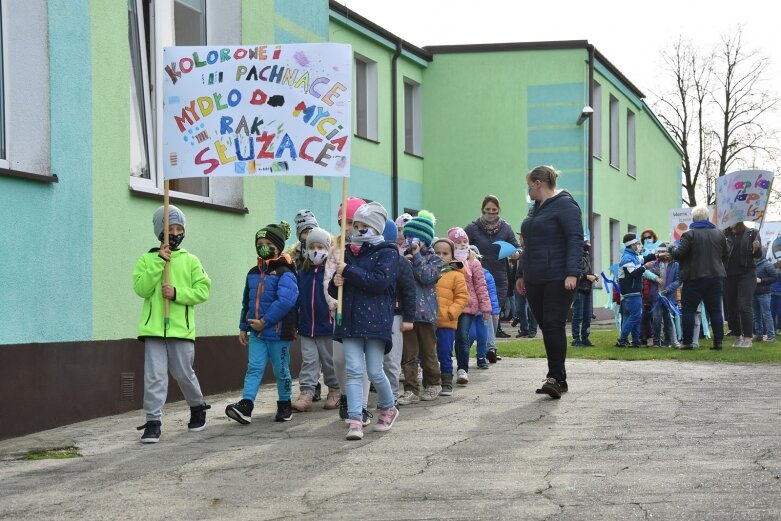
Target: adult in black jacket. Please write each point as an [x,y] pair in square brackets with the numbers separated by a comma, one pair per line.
[701,254]
[550,267]
[743,246]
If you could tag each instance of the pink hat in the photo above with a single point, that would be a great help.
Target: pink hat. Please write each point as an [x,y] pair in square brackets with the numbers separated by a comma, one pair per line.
[353,203]
[402,219]
[456,234]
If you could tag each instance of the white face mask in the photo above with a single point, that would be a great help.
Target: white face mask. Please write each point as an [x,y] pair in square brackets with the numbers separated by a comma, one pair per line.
[369,235]
[462,254]
[317,256]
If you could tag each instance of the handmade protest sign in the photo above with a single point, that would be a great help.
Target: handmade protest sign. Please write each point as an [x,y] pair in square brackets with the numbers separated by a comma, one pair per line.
[262,110]
[771,230]
[681,219]
[742,196]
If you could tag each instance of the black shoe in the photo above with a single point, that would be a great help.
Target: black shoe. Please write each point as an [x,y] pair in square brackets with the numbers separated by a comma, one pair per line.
[621,343]
[550,387]
[564,387]
[316,396]
[634,345]
[532,334]
[586,343]
[343,407]
[366,417]
[240,411]
[284,411]
[514,322]
[686,347]
[198,417]
[502,334]
[151,431]
[491,356]
[716,348]
[522,334]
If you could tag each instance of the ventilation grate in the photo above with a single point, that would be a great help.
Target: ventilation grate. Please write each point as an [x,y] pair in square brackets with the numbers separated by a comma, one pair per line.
[127,386]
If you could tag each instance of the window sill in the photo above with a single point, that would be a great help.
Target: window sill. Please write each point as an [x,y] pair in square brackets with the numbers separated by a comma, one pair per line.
[633,176]
[615,167]
[41,178]
[597,157]
[149,194]
[362,138]
[412,154]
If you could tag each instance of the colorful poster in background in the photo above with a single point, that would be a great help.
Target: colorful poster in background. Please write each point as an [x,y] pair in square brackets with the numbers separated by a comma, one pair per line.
[681,218]
[770,231]
[742,196]
[257,110]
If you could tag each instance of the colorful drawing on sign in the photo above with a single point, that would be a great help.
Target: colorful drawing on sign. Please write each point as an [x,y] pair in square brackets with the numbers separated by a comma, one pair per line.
[742,196]
[768,234]
[681,218]
[265,110]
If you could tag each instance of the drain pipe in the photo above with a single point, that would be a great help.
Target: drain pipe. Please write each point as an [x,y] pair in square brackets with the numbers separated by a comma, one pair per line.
[591,146]
[394,133]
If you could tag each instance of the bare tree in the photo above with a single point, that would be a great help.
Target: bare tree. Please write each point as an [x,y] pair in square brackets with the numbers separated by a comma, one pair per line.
[718,112]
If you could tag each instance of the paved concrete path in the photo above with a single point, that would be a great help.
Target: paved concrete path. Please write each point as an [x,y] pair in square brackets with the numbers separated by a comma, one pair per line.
[631,440]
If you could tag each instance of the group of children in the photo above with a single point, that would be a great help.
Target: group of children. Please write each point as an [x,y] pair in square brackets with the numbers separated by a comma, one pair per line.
[408,300]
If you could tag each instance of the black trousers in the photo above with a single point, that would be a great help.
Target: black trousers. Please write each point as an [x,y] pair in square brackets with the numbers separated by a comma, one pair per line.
[707,290]
[740,292]
[550,302]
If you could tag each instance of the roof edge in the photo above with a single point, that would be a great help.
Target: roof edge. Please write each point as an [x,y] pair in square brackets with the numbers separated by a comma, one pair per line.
[509,46]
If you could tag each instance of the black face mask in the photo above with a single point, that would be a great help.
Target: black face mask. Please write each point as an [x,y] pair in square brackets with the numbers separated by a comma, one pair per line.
[174,240]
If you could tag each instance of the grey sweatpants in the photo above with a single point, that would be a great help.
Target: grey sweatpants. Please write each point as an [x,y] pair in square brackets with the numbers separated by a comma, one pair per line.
[317,353]
[392,362]
[160,356]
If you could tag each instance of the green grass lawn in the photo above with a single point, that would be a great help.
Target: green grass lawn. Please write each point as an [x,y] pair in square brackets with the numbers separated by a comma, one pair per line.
[604,349]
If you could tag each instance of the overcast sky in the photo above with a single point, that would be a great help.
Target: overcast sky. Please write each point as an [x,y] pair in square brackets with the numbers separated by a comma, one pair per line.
[629,34]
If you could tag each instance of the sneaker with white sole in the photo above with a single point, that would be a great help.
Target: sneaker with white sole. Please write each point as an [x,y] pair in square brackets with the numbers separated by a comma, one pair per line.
[240,411]
[151,431]
[198,417]
[462,377]
[408,398]
[355,430]
[431,392]
[386,419]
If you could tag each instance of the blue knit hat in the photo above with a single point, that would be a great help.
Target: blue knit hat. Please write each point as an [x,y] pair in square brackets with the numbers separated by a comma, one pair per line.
[421,227]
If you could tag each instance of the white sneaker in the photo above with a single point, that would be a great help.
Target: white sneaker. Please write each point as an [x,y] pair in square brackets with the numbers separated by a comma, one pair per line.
[738,342]
[408,398]
[462,377]
[430,393]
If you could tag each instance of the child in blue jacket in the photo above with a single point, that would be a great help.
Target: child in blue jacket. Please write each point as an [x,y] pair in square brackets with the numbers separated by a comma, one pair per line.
[368,274]
[268,321]
[315,325]
[630,280]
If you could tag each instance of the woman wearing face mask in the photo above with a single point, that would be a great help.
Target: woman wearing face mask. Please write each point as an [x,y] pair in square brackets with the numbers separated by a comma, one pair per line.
[483,232]
[315,325]
[550,267]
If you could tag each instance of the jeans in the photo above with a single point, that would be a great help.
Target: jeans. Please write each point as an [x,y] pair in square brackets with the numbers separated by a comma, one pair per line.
[550,303]
[661,316]
[514,304]
[446,338]
[483,331]
[462,339]
[707,290]
[582,308]
[341,372]
[763,318]
[632,311]
[740,290]
[364,356]
[526,320]
[260,352]
[775,309]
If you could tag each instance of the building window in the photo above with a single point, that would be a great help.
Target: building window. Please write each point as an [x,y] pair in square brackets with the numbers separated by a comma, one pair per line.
[614,155]
[616,246]
[631,164]
[148,33]
[365,98]
[413,135]
[596,243]
[3,155]
[596,119]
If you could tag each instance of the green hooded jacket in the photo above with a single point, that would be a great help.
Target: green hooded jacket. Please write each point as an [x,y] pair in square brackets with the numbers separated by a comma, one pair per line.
[192,287]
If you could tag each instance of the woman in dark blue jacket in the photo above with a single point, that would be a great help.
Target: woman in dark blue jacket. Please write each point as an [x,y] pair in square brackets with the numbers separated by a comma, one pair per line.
[550,267]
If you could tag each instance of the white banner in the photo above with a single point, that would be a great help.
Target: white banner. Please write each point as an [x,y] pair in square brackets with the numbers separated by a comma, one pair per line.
[770,231]
[681,218]
[742,196]
[261,110]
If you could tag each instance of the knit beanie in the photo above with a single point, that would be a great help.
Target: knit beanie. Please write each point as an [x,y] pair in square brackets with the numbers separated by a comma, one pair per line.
[402,219]
[390,233]
[353,203]
[175,216]
[319,235]
[446,241]
[421,227]
[276,233]
[373,214]
[305,220]
[456,234]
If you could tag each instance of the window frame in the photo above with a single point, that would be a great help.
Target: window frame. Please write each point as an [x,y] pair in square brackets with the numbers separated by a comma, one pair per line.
[372,98]
[596,117]
[162,27]
[631,144]
[615,133]
[416,110]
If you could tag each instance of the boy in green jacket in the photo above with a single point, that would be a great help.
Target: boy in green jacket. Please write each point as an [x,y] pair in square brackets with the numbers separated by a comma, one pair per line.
[172,348]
